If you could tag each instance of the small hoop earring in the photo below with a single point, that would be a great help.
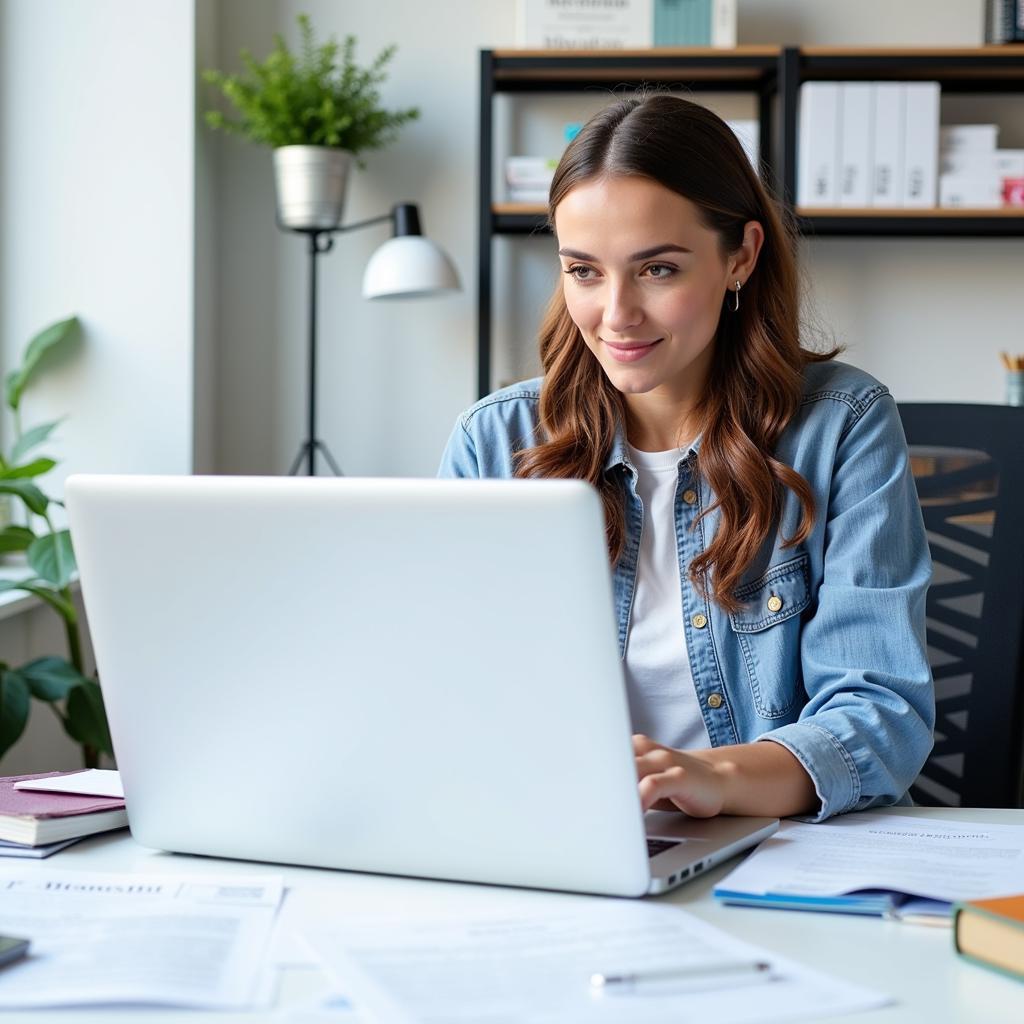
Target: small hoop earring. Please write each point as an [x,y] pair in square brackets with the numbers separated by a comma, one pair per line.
[736,307]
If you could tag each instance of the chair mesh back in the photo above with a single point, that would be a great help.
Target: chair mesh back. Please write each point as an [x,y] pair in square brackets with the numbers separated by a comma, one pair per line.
[970,479]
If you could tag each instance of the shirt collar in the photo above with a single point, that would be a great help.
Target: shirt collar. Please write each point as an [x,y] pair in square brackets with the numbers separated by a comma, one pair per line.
[619,455]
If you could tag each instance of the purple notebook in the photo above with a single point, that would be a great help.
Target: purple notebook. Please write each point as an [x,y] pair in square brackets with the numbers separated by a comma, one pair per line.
[25,802]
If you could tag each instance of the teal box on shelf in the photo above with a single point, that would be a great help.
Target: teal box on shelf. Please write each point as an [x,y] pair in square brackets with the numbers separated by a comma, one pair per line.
[682,22]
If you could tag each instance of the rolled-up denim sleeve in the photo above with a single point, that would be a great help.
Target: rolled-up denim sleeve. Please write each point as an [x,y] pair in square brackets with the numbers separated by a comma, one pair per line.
[866,729]
[459,458]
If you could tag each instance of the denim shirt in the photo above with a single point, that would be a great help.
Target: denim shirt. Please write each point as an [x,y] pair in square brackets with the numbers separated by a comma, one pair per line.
[827,654]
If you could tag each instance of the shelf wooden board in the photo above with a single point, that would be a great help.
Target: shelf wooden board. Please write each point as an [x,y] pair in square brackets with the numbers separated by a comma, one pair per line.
[660,51]
[526,209]
[932,52]
[1008,222]
[743,67]
[951,212]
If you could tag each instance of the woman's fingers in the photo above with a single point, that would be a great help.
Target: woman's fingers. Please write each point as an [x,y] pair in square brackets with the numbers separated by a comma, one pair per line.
[693,789]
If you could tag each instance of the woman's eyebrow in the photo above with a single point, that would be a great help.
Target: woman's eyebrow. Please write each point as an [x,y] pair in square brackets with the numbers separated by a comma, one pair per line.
[644,254]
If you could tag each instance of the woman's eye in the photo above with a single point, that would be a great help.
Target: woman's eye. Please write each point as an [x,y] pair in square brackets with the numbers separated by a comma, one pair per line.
[580,272]
[660,270]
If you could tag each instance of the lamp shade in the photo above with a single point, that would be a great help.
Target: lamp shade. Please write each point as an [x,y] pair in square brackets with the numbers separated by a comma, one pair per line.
[408,266]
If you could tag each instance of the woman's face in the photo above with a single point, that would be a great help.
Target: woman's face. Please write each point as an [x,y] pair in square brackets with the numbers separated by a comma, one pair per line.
[645,282]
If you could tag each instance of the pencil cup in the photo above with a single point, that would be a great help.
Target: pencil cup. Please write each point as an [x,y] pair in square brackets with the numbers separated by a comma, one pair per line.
[1015,387]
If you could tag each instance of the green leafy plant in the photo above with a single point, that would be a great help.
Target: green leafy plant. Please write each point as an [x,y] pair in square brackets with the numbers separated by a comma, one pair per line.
[320,97]
[59,682]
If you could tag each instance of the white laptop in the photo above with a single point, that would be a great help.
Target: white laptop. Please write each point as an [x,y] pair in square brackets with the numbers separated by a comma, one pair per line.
[413,677]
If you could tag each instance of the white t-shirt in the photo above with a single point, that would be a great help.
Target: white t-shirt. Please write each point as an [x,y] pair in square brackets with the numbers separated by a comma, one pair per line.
[659,683]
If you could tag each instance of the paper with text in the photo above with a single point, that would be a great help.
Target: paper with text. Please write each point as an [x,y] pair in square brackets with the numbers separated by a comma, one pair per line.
[927,857]
[116,938]
[534,967]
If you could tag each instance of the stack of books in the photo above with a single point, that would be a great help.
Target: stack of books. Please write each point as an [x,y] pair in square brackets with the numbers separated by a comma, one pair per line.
[528,178]
[36,824]
[625,24]
[863,144]
[974,172]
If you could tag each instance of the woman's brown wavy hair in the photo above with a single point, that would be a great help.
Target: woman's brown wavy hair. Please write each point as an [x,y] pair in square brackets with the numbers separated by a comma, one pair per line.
[756,378]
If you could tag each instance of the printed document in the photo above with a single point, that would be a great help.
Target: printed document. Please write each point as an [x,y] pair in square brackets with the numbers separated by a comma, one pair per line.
[536,966]
[195,941]
[924,857]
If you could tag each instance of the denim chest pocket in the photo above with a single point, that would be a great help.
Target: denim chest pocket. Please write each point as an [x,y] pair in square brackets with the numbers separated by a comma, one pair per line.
[767,629]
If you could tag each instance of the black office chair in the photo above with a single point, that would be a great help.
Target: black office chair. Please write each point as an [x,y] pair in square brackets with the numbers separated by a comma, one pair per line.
[968,463]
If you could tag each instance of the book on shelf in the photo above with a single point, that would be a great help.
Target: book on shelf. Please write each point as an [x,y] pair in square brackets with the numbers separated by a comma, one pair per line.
[585,24]
[32,818]
[991,933]
[1004,21]
[695,23]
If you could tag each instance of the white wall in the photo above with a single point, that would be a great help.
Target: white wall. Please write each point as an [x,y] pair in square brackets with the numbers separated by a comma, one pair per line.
[96,150]
[97,179]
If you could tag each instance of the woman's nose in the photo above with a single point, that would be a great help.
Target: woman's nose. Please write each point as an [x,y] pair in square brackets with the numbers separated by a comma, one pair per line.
[623,309]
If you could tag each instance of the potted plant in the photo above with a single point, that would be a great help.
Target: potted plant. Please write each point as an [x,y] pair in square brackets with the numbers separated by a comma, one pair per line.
[318,111]
[57,681]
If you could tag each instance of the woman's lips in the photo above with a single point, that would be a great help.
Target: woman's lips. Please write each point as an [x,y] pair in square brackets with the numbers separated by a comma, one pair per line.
[631,351]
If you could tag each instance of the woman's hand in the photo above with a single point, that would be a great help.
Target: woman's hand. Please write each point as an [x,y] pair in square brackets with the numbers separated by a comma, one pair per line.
[672,780]
[747,778]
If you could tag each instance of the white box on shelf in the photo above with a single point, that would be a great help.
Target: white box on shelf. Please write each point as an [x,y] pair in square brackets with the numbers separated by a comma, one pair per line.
[967,163]
[528,195]
[856,141]
[749,134]
[887,158]
[585,24]
[1009,163]
[921,144]
[529,171]
[955,190]
[999,164]
[818,144]
[974,137]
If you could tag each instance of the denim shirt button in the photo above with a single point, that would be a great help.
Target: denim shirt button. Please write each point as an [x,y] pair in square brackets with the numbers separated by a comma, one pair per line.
[774,603]
[699,621]
[715,700]
[690,497]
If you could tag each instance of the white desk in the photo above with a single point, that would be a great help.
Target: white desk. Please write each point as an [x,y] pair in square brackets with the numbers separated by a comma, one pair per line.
[916,965]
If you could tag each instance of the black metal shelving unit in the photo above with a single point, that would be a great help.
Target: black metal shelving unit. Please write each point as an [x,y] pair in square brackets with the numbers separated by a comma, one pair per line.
[767,72]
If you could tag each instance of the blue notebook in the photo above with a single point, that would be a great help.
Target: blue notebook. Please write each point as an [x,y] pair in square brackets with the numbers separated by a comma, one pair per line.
[875,902]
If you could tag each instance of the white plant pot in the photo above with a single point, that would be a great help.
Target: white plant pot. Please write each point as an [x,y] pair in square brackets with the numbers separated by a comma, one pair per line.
[310,183]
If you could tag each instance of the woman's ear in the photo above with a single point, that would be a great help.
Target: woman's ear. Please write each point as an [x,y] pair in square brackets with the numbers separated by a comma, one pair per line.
[744,259]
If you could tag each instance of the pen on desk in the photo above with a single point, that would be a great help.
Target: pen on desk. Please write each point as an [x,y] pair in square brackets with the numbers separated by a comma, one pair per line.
[613,982]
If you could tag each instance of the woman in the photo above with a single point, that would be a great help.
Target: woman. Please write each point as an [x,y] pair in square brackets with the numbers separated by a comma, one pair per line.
[769,556]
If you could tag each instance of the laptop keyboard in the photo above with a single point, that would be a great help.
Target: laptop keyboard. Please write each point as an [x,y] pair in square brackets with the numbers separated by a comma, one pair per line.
[656,846]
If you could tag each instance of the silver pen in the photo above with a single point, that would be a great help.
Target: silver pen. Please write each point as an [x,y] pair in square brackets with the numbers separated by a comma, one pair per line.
[731,968]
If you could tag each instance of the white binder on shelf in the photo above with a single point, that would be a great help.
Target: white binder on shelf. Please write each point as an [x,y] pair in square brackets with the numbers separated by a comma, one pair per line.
[723,23]
[856,143]
[921,144]
[887,172]
[818,144]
